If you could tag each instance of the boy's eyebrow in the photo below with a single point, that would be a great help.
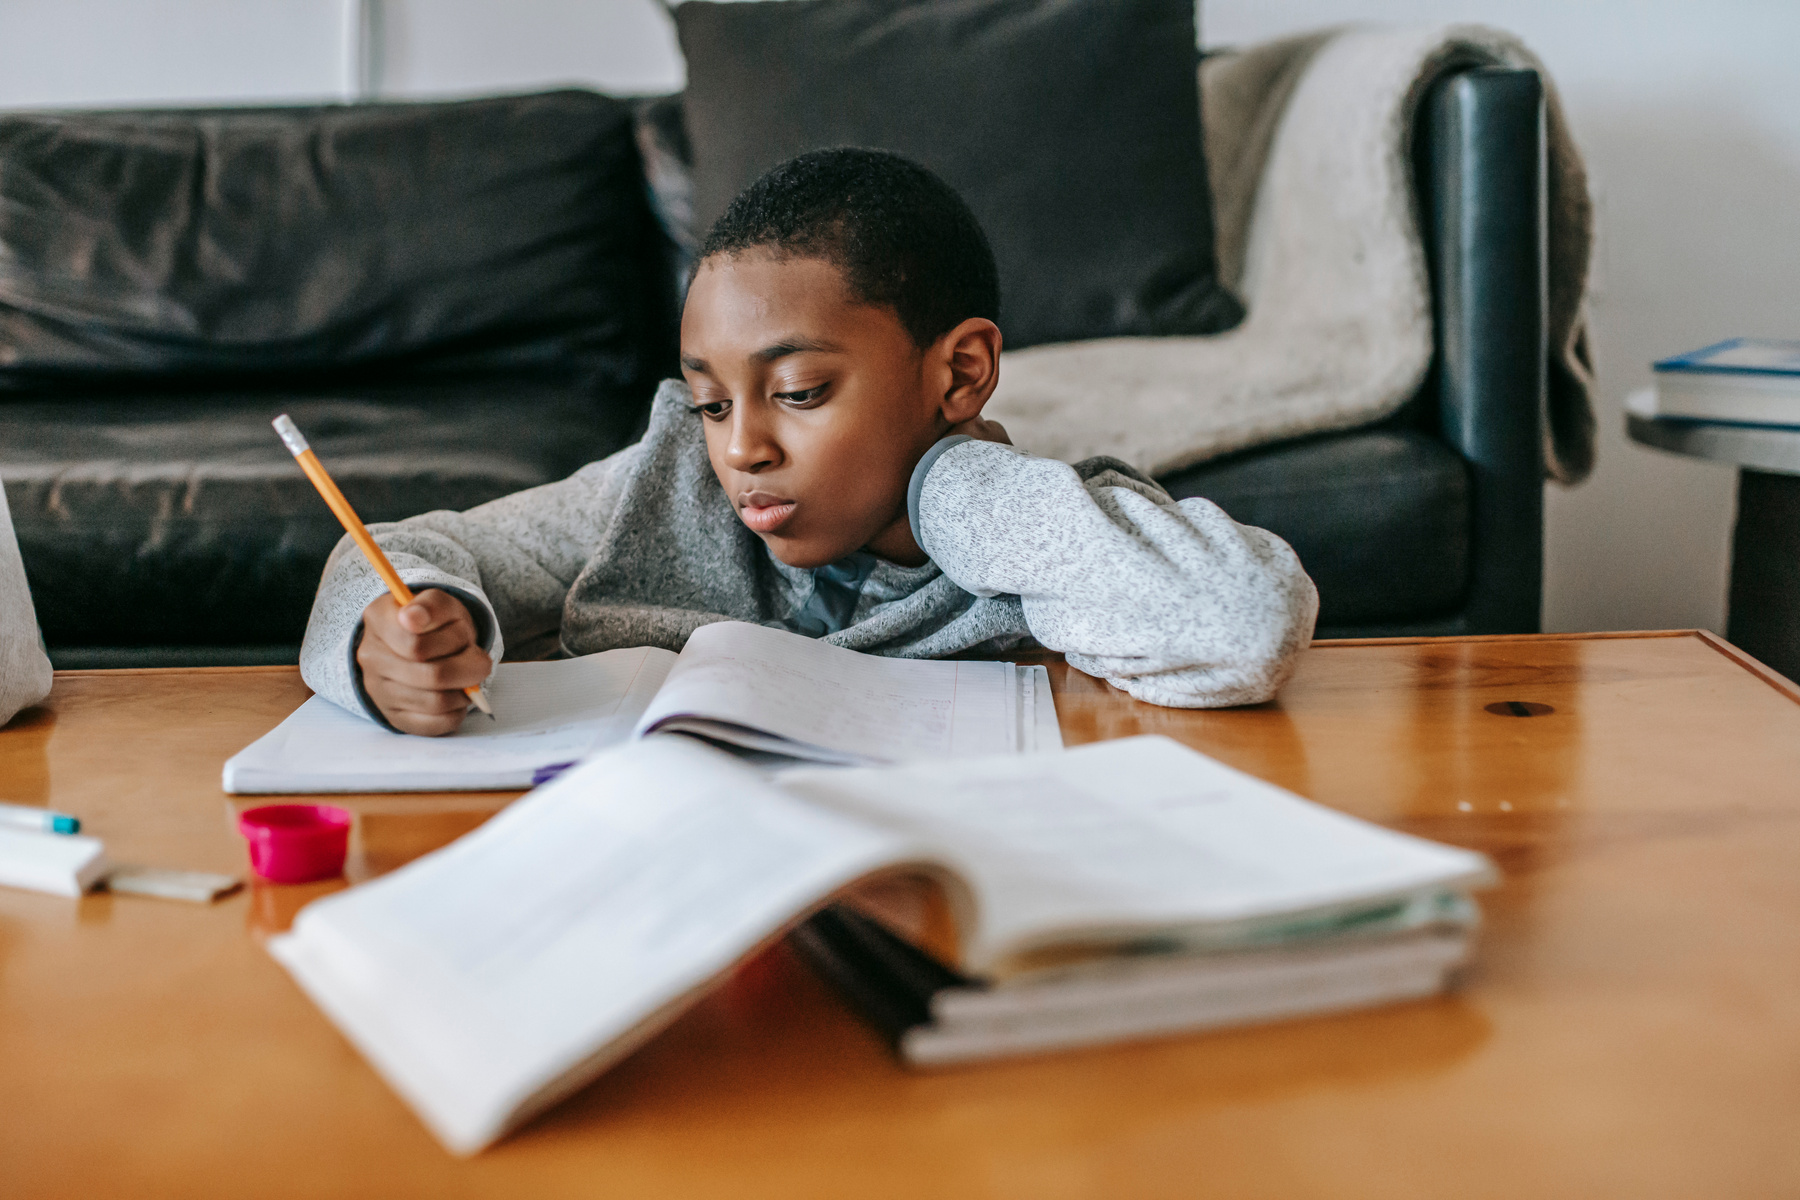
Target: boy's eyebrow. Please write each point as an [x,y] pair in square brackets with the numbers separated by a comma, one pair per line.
[796,345]
[781,349]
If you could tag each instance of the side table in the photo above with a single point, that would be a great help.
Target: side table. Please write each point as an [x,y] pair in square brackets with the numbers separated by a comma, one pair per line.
[1764,605]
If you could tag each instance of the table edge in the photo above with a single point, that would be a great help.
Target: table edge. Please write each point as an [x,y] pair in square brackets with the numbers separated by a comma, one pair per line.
[1416,639]
[1768,675]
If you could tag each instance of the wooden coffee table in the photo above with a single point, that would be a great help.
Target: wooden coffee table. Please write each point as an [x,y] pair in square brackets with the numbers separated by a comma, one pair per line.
[1631,1026]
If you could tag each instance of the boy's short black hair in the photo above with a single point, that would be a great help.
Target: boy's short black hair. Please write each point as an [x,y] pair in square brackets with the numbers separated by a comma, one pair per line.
[902,236]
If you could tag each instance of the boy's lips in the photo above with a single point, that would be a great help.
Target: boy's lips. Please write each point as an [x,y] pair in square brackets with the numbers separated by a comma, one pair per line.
[763,512]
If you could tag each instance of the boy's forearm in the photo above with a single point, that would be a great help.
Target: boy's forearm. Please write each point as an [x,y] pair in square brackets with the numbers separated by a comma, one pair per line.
[1175,603]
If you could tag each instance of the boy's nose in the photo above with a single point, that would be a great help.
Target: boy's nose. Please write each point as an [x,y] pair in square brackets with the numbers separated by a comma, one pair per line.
[752,447]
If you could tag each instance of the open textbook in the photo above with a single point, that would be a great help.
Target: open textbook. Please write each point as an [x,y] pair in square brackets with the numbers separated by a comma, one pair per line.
[749,686]
[489,979]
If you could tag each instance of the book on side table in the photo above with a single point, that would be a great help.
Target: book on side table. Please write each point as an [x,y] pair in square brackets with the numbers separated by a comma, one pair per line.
[1116,890]
[1744,381]
[747,686]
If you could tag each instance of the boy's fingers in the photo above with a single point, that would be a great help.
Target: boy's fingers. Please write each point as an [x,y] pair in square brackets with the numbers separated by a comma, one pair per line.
[431,609]
[413,710]
[434,625]
[416,659]
[443,642]
[398,697]
[458,671]
[382,650]
[425,726]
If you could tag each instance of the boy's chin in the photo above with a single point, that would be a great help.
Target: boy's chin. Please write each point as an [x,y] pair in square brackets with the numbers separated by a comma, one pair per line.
[804,553]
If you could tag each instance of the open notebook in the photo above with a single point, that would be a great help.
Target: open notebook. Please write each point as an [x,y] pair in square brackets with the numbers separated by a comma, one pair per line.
[748,686]
[490,978]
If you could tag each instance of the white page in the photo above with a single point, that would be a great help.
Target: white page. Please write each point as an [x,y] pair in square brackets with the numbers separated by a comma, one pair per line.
[1130,837]
[547,713]
[861,707]
[499,973]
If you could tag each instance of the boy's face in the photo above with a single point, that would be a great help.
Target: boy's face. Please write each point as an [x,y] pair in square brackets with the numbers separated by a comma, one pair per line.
[816,406]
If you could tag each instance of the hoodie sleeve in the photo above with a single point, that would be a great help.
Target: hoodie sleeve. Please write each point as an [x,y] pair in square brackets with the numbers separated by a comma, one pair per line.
[511,562]
[1172,601]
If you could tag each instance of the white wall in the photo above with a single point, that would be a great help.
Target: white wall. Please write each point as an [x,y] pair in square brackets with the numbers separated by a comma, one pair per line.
[1689,115]
[437,46]
[96,52]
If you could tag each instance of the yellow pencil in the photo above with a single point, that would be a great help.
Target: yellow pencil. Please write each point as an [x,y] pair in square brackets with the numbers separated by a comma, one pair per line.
[315,471]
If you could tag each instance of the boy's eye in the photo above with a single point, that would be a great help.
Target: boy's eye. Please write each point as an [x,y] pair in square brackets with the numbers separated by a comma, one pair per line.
[802,398]
[715,411]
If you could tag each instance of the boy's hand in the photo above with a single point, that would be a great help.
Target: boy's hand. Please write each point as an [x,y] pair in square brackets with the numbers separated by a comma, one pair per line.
[417,660]
[982,430]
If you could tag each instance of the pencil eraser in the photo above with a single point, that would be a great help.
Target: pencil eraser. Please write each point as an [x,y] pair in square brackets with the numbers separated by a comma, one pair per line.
[290,434]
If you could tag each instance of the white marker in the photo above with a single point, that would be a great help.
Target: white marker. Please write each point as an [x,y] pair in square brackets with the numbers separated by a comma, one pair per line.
[38,818]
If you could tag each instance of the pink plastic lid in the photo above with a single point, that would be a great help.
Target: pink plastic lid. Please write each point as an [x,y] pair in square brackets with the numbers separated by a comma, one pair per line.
[296,843]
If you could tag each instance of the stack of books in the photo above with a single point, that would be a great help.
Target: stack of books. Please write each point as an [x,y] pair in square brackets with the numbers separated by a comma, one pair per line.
[1121,890]
[1744,381]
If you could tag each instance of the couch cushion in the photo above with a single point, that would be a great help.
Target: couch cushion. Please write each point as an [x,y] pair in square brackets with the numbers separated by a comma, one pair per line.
[1072,128]
[503,233]
[181,520]
[1380,518]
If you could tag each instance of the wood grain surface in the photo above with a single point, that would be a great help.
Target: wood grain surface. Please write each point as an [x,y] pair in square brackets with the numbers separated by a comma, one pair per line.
[1631,1026]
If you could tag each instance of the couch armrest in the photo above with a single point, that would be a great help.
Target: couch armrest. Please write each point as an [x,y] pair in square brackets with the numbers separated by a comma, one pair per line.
[1479,151]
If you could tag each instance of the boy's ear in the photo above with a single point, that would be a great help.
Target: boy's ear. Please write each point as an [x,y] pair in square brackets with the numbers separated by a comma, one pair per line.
[970,354]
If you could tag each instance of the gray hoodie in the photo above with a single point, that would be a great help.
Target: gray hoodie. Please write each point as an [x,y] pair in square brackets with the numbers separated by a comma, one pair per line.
[1174,602]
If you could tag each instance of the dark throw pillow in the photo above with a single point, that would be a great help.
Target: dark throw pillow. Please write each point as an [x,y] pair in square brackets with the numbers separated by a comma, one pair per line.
[1072,128]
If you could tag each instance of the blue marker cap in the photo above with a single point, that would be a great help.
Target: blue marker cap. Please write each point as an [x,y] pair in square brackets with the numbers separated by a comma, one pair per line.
[29,817]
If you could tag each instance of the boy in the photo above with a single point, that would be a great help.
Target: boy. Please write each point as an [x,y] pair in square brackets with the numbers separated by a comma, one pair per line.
[824,467]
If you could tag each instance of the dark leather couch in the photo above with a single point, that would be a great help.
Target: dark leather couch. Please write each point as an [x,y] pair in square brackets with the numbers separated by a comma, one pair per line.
[459,300]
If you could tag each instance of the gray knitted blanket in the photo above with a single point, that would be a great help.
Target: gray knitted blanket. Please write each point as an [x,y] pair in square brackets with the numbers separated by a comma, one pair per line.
[1309,147]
